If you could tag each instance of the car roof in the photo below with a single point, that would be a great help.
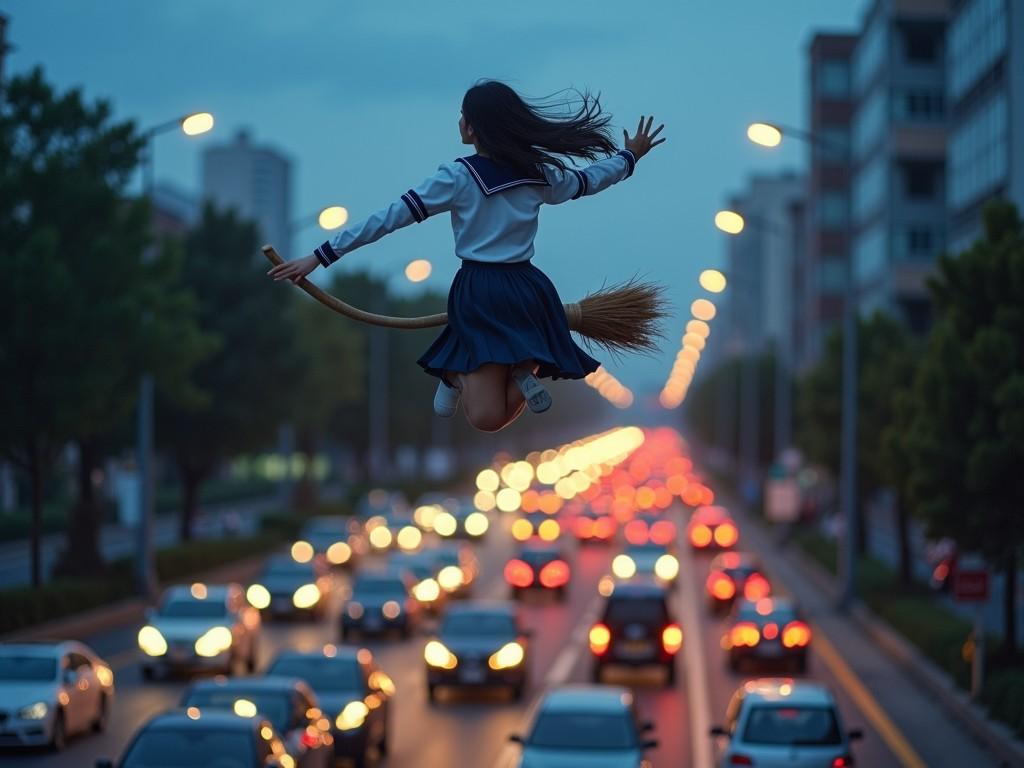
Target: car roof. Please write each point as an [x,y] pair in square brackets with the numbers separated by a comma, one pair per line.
[785,690]
[638,587]
[496,607]
[214,592]
[211,718]
[341,653]
[425,557]
[43,648]
[587,698]
[540,547]
[322,521]
[268,683]
[710,513]
[782,604]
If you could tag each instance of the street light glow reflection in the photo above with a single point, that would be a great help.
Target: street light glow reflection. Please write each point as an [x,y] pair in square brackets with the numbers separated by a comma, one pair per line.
[712,280]
[702,309]
[419,270]
[200,122]
[765,134]
[333,217]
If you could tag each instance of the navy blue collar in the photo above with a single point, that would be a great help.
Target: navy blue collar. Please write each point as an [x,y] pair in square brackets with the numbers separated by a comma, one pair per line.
[492,177]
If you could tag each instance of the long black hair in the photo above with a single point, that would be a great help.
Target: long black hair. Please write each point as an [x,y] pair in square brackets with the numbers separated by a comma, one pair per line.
[526,136]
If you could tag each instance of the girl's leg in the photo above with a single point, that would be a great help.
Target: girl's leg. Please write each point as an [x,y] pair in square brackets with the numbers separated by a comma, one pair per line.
[485,396]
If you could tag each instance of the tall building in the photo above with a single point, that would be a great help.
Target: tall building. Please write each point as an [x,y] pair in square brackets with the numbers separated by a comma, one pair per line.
[821,276]
[898,144]
[985,92]
[255,181]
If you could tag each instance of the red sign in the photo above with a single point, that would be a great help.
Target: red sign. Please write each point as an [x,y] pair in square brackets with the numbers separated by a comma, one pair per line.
[970,586]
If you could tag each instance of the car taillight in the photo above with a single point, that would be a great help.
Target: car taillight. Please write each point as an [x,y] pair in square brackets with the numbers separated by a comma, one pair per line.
[518,573]
[310,737]
[726,535]
[843,761]
[600,637]
[744,634]
[663,532]
[700,535]
[636,532]
[554,574]
[720,586]
[756,586]
[672,638]
[604,528]
[796,635]
[584,527]
[740,760]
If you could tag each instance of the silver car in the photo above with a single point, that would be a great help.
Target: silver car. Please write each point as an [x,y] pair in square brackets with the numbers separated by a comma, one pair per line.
[200,626]
[585,725]
[49,691]
[783,723]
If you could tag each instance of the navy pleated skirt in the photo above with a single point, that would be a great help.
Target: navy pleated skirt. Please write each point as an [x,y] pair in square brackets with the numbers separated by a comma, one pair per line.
[506,313]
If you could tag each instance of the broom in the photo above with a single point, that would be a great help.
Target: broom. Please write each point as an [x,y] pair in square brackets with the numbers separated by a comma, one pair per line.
[619,318]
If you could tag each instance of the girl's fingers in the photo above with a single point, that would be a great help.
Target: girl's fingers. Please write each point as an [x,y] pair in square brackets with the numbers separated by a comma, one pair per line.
[650,121]
[659,141]
[657,131]
[640,126]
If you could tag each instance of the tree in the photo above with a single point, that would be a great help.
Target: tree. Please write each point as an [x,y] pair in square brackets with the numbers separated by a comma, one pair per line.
[965,444]
[249,384]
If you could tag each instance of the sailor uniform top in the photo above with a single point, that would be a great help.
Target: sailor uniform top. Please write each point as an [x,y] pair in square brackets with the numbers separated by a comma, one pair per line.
[494,208]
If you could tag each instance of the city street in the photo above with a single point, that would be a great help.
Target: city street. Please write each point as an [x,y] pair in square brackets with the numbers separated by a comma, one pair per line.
[462,730]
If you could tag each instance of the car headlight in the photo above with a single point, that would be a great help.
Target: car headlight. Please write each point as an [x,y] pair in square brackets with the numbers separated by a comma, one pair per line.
[450,578]
[339,553]
[35,711]
[476,524]
[354,610]
[445,524]
[151,641]
[409,537]
[437,655]
[666,567]
[623,566]
[380,537]
[213,642]
[352,716]
[306,596]
[509,655]
[427,591]
[391,609]
[258,596]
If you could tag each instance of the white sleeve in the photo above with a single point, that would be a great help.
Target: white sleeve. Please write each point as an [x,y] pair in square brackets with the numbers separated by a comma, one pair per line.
[575,183]
[434,195]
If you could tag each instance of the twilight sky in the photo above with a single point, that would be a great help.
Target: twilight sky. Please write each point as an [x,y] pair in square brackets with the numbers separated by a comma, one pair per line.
[365,96]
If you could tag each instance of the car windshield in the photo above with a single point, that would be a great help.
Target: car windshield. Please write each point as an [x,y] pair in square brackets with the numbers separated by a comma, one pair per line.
[583,730]
[27,668]
[288,568]
[628,610]
[326,528]
[192,609]
[199,747]
[321,673]
[469,624]
[647,549]
[780,614]
[273,705]
[385,586]
[792,725]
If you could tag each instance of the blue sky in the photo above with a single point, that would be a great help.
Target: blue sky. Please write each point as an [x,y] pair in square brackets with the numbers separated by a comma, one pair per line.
[365,96]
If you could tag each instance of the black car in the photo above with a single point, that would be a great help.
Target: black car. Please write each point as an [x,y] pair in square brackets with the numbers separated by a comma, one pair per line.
[288,587]
[355,695]
[339,539]
[733,576]
[201,739]
[381,601]
[770,631]
[538,566]
[479,643]
[424,568]
[287,702]
[636,629]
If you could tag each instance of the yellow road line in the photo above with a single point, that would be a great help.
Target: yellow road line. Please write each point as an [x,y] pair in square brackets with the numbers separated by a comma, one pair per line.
[868,705]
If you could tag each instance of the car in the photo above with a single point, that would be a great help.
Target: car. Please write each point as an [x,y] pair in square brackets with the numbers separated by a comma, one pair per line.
[286,586]
[287,702]
[650,528]
[636,628]
[207,626]
[462,520]
[355,695]
[585,725]
[769,631]
[338,538]
[732,575]
[652,560]
[593,527]
[712,528]
[204,739]
[457,567]
[479,643]
[536,524]
[381,600]
[393,530]
[538,566]
[50,691]
[381,501]
[429,505]
[424,568]
[777,722]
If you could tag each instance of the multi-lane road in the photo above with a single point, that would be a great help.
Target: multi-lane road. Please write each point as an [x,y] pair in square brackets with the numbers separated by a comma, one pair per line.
[472,731]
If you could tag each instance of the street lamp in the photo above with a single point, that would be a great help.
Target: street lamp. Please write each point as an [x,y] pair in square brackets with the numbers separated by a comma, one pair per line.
[191,125]
[761,133]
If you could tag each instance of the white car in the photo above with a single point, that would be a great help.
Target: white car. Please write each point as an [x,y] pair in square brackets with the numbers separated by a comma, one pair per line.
[49,691]
[200,626]
[783,723]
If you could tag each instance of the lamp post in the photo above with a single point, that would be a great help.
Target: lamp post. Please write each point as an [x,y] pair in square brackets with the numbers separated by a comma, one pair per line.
[770,135]
[145,575]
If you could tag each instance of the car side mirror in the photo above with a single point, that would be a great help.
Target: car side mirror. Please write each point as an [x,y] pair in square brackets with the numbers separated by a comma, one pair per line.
[649,744]
[717,730]
[104,762]
[516,738]
[855,733]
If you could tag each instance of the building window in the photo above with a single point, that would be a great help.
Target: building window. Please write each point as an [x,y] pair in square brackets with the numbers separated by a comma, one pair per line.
[831,275]
[978,153]
[977,39]
[834,78]
[919,104]
[869,122]
[871,188]
[921,180]
[831,210]
[870,255]
[922,43]
[870,53]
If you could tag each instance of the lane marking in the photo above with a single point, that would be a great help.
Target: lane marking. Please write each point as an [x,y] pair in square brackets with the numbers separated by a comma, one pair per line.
[697,689]
[892,735]
[570,654]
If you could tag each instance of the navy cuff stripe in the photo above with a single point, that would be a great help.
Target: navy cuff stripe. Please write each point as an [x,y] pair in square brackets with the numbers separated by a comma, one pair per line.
[630,159]
[581,177]
[326,254]
[416,199]
[412,207]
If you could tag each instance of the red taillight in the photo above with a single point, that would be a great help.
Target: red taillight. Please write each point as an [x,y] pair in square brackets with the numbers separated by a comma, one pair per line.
[310,738]
[770,631]
[554,574]
[700,535]
[741,760]
[726,535]
[672,638]
[584,527]
[518,573]
[796,635]
[604,528]
[636,532]
[600,637]
[844,761]
[744,634]
[756,586]
[720,586]
[663,532]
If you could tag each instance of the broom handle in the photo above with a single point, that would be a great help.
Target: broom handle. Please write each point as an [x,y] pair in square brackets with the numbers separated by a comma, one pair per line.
[572,311]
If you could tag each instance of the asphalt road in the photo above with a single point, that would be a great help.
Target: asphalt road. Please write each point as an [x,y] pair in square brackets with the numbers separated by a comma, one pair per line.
[472,731]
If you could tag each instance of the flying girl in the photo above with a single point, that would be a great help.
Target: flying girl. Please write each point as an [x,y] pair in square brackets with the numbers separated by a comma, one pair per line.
[507,328]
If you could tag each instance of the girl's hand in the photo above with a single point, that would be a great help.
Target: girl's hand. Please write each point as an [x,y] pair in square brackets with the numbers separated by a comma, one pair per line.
[294,270]
[643,142]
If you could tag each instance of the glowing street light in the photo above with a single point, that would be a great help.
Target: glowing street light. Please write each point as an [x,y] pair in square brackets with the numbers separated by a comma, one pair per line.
[702,309]
[699,327]
[332,217]
[712,280]
[729,222]
[765,134]
[200,122]
[694,340]
[417,271]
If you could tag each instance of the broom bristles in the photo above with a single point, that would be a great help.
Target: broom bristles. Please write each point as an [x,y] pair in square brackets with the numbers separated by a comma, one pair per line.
[622,318]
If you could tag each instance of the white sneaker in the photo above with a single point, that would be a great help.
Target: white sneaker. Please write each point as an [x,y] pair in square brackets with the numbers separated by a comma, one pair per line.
[536,395]
[446,400]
